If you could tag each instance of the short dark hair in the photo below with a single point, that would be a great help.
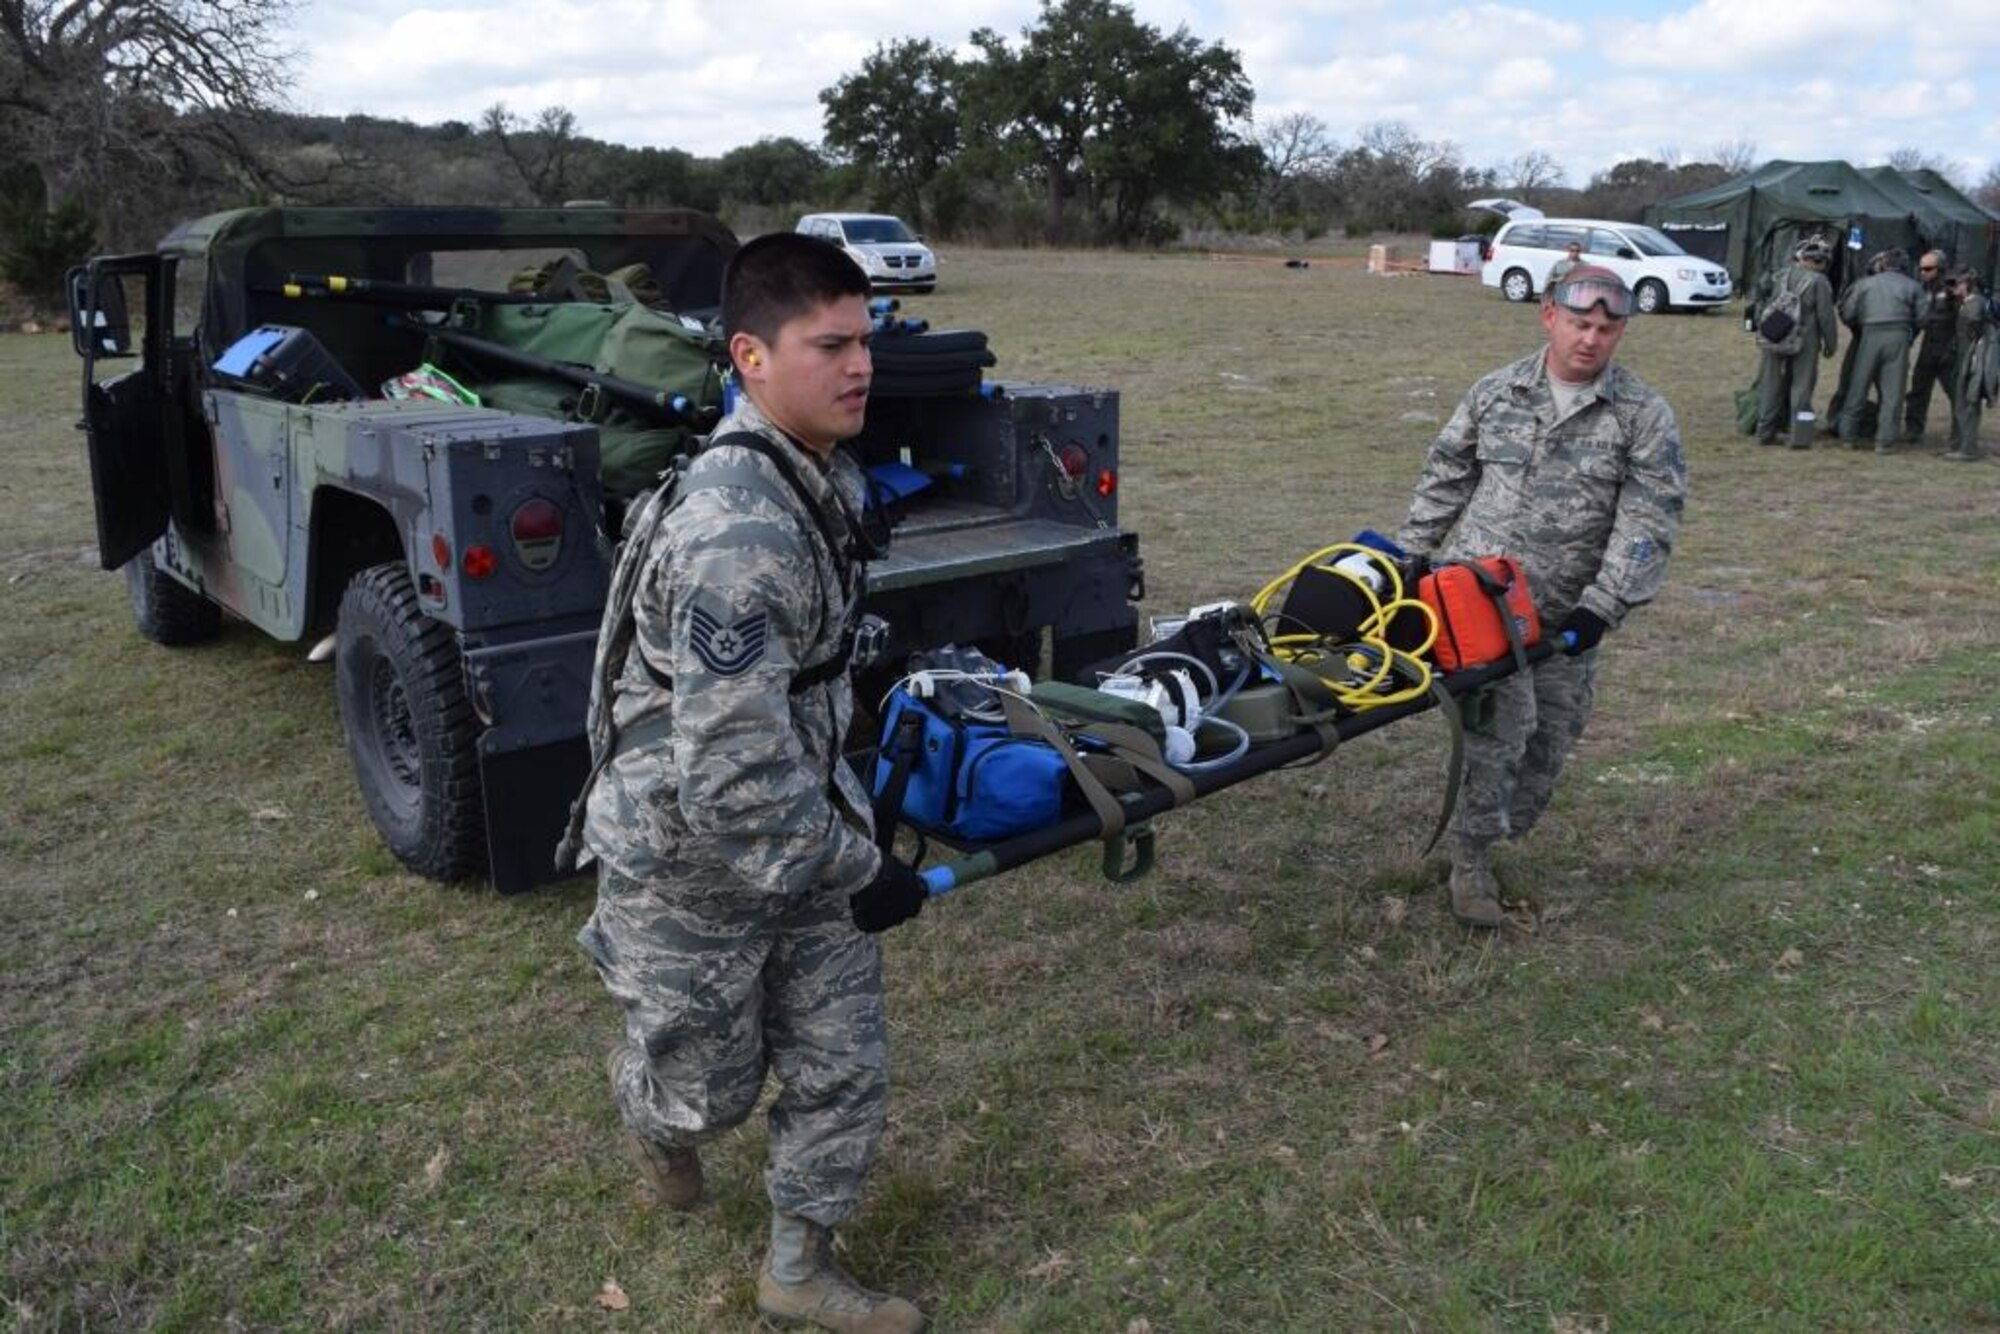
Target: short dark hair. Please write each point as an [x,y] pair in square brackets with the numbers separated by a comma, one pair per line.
[780,276]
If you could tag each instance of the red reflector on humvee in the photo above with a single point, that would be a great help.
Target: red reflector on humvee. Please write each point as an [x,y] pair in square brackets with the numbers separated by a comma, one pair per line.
[537,529]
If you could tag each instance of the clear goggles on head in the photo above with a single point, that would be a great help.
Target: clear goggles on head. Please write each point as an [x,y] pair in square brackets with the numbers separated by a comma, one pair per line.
[1580,294]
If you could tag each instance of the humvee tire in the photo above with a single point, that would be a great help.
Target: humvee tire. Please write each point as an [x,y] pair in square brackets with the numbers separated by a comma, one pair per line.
[410,730]
[166,610]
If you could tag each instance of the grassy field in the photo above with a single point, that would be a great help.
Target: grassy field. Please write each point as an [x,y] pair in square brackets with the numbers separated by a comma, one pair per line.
[1744,1073]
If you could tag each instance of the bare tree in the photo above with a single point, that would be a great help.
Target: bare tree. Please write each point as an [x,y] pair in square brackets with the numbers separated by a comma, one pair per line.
[1735,156]
[98,94]
[1299,160]
[1297,145]
[1916,159]
[543,153]
[1395,142]
[1987,193]
[1392,180]
[1532,172]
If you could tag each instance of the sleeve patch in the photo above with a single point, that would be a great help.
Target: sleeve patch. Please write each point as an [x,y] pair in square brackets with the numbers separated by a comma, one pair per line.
[728,648]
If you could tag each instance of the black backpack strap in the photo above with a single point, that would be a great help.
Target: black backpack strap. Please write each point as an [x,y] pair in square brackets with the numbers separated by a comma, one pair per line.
[618,633]
[834,667]
[615,637]
[789,470]
[904,745]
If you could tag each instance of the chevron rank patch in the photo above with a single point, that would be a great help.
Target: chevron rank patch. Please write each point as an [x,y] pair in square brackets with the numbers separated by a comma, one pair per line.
[728,648]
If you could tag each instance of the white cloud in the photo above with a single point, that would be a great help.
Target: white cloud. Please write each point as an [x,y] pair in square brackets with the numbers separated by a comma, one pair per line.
[1519,79]
[1479,33]
[1850,80]
[1716,36]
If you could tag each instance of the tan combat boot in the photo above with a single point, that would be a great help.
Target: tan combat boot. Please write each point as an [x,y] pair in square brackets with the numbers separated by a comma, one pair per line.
[673,1173]
[1475,894]
[802,1285]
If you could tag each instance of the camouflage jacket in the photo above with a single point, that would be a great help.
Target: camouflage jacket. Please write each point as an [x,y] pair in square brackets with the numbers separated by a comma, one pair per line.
[1590,504]
[721,767]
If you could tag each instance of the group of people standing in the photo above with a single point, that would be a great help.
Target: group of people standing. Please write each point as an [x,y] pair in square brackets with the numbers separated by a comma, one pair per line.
[1907,336]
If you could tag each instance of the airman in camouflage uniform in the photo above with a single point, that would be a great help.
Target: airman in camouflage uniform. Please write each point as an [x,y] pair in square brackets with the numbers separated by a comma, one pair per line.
[1574,466]
[740,887]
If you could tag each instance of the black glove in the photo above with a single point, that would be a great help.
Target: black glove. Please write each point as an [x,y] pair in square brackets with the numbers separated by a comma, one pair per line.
[1582,629]
[893,897]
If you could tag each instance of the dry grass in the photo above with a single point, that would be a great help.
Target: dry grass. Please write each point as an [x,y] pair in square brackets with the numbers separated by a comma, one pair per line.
[1743,1073]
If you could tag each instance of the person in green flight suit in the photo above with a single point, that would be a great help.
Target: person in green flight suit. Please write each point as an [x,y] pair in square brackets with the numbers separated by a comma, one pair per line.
[1785,381]
[1886,308]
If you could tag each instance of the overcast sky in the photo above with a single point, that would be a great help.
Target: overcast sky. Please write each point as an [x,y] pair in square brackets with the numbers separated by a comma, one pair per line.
[1591,84]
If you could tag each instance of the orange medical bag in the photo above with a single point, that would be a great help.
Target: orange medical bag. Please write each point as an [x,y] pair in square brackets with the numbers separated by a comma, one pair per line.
[1485,611]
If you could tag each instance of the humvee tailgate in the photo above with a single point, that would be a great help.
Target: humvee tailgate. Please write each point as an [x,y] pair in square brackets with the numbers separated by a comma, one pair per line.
[948,554]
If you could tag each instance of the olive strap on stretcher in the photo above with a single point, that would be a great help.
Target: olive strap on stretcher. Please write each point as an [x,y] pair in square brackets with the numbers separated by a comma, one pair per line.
[1007,854]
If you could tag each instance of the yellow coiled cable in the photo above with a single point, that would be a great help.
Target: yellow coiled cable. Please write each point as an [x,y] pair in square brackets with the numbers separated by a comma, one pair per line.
[1364,671]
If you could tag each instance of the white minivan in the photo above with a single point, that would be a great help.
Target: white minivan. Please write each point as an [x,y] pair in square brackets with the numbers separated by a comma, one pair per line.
[894,257]
[1662,276]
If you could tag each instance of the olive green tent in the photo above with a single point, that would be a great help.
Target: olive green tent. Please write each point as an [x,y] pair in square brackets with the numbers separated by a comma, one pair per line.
[1750,224]
[1967,233]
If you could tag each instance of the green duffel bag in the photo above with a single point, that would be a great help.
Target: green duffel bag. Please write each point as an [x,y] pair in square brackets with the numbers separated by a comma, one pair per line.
[1746,412]
[660,350]
[630,341]
[569,331]
[632,451]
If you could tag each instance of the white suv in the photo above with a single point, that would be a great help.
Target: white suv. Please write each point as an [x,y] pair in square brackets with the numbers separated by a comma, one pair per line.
[893,257]
[1660,273]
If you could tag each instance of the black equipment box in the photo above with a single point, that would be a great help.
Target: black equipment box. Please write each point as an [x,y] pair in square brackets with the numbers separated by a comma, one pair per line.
[288,364]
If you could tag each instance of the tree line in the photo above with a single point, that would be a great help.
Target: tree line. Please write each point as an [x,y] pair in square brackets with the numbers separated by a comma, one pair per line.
[118,117]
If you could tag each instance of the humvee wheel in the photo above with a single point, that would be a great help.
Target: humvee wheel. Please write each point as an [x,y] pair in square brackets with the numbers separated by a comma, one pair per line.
[166,610]
[410,731]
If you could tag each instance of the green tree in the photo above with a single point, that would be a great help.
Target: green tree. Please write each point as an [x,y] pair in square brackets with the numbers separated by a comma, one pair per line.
[1098,107]
[657,177]
[897,121]
[1172,134]
[37,247]
[1624,189]
[771,171]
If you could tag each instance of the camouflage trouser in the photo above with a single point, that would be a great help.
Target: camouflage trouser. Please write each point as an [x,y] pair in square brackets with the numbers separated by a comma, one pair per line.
[720,985]
[1514,753]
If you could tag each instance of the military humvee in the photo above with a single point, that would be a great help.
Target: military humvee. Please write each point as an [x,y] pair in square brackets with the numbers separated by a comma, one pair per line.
[454,558]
